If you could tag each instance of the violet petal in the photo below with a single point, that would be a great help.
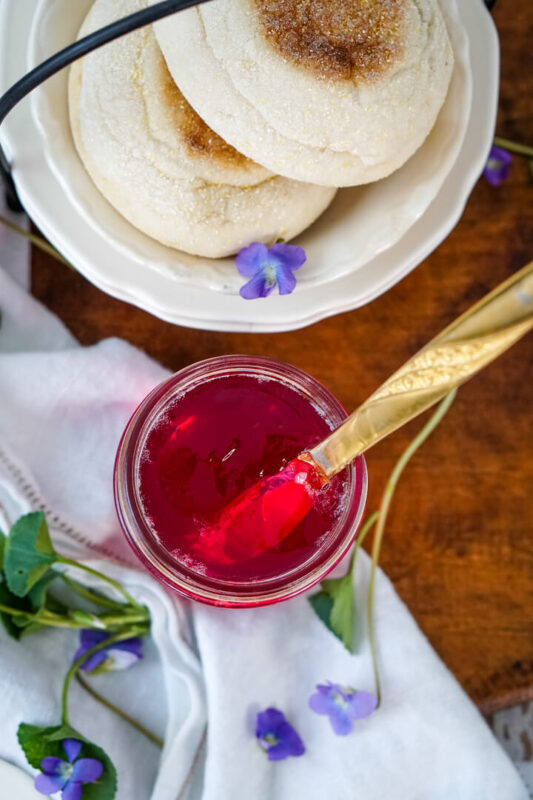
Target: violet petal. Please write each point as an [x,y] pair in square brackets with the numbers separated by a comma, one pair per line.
[133,645]
[256,287]
[87,770]
[72,748]
[340,721]
[362,704]
[268,721]
[320,702]
[89,637]
[72,791]
[251,259]
[289,254]
[499,154]
[495,174]
[286,280]
[272,723]
[93,661]
[48,784]
[289,743]
[497,167]
[51,764]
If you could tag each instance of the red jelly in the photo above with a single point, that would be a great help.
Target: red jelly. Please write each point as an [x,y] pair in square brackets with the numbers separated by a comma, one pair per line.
[203,439]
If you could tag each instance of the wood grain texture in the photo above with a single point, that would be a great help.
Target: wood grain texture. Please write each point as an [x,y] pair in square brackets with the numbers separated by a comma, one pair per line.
[459,544]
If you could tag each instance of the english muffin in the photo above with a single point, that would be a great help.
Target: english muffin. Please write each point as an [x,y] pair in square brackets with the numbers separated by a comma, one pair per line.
[159,164]
[334,92]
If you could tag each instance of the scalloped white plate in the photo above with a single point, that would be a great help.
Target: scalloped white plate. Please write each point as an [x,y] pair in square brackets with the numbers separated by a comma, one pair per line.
[360,223]
[394,218]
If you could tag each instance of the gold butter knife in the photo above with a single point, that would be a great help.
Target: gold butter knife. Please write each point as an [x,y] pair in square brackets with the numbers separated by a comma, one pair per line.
[475,339]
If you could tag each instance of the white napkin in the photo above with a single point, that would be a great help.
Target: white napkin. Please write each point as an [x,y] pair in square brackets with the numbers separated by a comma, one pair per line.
[62,410]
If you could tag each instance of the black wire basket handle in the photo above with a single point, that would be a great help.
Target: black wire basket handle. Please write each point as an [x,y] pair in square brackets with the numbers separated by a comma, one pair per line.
[65,57]
[74,51]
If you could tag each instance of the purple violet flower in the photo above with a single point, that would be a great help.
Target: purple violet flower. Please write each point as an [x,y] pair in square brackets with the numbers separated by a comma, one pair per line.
[120,655]
[497,166]
[67,777]
[277,736]
[342,705]
[266,266]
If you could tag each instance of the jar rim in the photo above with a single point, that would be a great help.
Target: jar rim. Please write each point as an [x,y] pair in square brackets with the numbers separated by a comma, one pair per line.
[194,584]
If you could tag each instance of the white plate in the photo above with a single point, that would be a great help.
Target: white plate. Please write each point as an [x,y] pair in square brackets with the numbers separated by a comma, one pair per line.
[360,223]
[132,267]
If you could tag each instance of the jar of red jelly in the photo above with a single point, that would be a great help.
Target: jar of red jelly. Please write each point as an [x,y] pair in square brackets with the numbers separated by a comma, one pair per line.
[199,440]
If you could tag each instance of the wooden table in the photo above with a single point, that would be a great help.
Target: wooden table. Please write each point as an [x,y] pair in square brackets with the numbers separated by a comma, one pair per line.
[459,544]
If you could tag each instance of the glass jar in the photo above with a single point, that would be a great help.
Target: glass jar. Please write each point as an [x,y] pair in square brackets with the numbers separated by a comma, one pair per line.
[182,575]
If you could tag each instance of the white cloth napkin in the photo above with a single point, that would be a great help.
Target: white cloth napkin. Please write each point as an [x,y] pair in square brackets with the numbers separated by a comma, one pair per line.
[62,410]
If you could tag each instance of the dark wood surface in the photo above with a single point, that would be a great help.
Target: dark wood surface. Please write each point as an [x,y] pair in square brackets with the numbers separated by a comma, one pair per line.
[459,544]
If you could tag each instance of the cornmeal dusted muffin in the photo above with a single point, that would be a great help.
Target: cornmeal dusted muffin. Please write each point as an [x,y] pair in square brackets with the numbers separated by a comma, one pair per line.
[160,165]
[335,92]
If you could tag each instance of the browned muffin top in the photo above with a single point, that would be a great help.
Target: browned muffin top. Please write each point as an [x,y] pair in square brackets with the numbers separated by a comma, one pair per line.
[195,134]
[338,39]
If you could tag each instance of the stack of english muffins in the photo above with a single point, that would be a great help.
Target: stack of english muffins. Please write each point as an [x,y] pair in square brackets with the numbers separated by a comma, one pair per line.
[236,121]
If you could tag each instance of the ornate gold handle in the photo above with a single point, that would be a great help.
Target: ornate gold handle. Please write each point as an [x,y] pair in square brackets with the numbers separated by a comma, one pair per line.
[479,336]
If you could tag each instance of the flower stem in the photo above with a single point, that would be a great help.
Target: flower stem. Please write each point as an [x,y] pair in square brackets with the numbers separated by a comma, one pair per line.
[514,147]
[37,241]
[361,537]
[126,717]
[58,621]
[94,597]
[386,499]
[15,612]
[105,622]
[102,577]
[81,660]
[110,620]
[47,618]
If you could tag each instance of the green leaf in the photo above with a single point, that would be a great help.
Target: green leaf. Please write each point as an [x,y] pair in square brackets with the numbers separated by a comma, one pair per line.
[334,606]
[37,742]
[18,626]
[3,538]
[7,598]
[36,602]
[42,600]
[341,619]
[28,553]
[322,604]
[38,593]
